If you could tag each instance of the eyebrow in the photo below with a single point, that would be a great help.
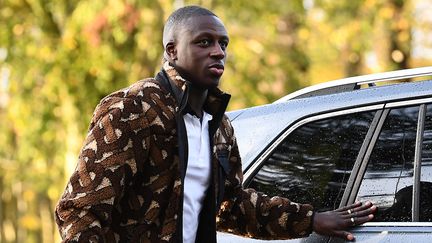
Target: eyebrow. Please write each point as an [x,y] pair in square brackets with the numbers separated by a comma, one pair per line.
[202,34]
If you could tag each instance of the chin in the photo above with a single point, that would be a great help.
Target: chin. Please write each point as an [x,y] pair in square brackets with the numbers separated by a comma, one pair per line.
[214,84]
[208,85]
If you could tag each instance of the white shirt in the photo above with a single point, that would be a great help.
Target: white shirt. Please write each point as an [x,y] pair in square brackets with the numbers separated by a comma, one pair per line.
[197,178]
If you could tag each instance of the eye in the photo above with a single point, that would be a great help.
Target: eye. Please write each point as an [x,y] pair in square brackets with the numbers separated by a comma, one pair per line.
[223,44]
[204,42]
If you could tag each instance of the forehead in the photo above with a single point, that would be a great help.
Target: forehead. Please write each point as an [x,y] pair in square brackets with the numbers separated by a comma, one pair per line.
[204,24]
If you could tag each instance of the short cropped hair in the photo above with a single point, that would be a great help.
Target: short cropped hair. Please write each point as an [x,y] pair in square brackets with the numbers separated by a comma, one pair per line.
[178,17]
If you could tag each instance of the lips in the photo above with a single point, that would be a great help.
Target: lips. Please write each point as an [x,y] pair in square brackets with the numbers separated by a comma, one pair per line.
[216,69]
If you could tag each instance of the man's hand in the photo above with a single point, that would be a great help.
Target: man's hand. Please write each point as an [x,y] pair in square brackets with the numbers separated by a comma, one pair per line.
[335,223]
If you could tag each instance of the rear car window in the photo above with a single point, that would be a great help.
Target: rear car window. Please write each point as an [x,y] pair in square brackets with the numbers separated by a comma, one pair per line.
[313,163]
[388,181]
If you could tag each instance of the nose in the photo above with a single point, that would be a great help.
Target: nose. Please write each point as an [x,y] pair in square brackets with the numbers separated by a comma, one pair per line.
[217,51]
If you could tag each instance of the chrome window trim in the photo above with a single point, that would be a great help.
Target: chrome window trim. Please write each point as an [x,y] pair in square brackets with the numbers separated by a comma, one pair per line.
[397,224]
[408,102]
[417,163]
[250,172]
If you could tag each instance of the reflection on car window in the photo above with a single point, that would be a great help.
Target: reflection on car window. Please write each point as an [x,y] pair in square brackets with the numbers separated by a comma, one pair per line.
[313,164]
[426,170]
[389,174]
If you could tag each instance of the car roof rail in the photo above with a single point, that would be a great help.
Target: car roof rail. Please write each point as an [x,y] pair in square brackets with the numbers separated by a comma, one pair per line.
[357,82]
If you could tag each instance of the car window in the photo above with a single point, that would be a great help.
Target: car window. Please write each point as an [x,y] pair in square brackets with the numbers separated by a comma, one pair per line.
[426,170]
[389,175]
[313,163]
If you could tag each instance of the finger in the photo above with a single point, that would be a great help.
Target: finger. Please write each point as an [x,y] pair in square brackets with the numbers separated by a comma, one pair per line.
[363,212]
[361,220]
[351,206]
[365,205]
[344,210]
[361,207]
[344,235]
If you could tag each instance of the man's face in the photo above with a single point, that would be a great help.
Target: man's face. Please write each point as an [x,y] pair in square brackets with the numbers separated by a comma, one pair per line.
[200,50]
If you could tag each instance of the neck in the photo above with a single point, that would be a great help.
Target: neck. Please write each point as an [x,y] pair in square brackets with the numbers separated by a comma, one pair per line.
[196,99]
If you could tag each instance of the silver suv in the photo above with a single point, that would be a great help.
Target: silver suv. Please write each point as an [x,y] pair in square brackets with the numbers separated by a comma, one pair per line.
[362,138]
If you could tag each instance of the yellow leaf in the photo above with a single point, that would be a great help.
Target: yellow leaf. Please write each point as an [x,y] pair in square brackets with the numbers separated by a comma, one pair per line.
[30,222]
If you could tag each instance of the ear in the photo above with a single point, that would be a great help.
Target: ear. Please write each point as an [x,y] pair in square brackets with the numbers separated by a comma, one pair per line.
[171,51]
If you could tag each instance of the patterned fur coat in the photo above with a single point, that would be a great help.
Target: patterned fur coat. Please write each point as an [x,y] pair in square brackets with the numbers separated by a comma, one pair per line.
[127,186]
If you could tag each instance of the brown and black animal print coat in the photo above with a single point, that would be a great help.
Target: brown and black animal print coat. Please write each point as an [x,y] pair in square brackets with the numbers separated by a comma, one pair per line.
[127,186]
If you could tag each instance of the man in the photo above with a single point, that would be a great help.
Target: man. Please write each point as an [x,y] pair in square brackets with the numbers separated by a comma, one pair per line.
[160,162]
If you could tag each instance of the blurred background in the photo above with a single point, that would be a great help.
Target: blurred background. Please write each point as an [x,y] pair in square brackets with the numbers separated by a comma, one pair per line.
[59,58]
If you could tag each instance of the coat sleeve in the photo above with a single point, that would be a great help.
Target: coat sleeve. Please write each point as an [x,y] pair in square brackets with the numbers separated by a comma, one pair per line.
[105,164]
[253,214]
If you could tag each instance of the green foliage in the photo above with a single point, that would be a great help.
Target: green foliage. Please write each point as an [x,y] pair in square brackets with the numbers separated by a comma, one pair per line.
[267,53]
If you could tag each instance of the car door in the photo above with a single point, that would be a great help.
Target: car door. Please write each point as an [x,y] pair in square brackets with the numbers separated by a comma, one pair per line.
[395,172]
[311,162]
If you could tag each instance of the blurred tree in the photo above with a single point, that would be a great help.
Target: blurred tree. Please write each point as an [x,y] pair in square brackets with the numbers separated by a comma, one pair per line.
[267,56]
[394,34]
[63,57]
[359,27]
[349,24]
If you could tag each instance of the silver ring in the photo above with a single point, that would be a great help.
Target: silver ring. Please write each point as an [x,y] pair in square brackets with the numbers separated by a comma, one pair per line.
[352,220]
[349,211]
